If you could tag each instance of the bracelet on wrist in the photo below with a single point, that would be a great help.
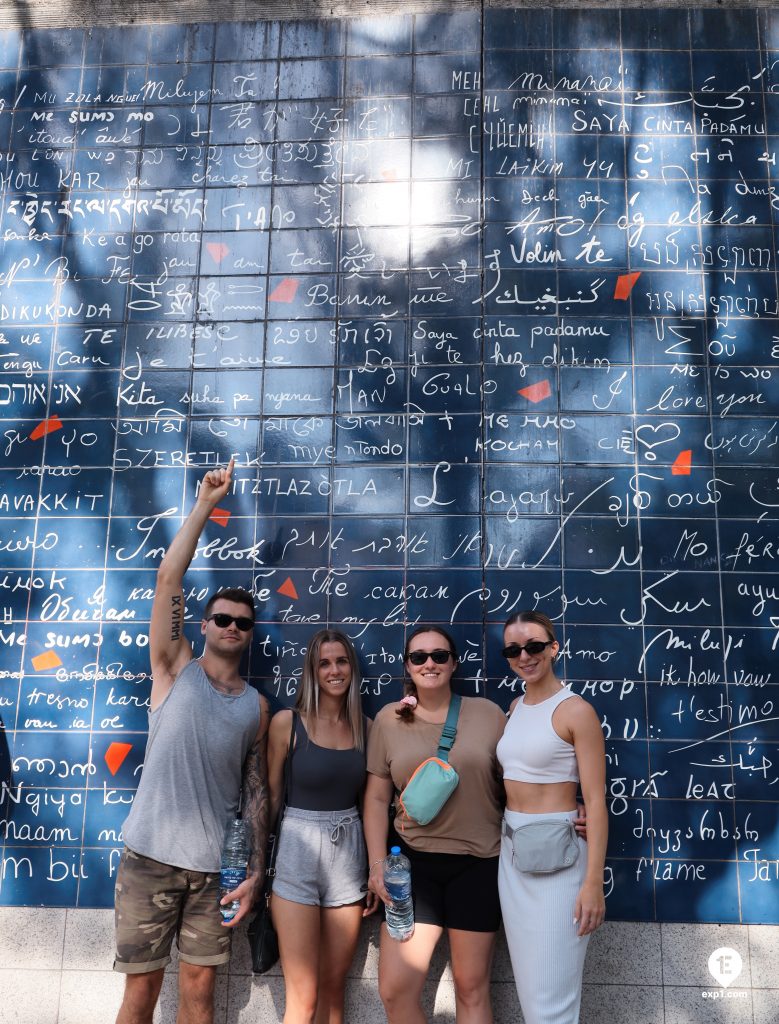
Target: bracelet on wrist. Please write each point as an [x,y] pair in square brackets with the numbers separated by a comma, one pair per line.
[379,861]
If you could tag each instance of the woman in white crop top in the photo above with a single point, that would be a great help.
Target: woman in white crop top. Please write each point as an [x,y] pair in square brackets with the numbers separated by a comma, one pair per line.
[552,745]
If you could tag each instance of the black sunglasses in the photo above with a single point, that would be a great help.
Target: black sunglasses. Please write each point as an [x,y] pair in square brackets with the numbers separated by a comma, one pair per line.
[532,647]
[440,657]
[223,620]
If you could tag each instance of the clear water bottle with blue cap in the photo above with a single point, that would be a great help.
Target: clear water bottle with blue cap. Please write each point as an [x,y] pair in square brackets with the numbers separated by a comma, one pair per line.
[399,914]
[235,856]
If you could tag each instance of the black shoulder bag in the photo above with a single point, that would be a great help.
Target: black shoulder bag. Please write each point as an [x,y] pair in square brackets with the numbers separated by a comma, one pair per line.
[263,941]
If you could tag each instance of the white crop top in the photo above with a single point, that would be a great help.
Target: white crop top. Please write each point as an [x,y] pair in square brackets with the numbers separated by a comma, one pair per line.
[530,750]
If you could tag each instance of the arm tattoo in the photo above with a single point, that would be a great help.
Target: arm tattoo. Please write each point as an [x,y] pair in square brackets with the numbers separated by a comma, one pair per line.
[176,616]
[256,801]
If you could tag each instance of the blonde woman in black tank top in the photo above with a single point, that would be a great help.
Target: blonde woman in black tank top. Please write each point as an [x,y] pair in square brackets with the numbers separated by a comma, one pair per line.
[318,903]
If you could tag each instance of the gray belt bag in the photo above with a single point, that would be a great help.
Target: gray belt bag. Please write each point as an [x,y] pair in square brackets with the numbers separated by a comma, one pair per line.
[543,847]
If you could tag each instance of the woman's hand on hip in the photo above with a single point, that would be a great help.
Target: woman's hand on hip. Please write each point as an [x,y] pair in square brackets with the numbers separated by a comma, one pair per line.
[372,903]
[580,821]
[590,909]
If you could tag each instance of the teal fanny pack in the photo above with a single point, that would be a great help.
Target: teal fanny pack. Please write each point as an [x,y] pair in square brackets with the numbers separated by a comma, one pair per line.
[433,781]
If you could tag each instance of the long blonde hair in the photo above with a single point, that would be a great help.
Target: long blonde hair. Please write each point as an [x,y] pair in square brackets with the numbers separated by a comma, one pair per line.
[308,694]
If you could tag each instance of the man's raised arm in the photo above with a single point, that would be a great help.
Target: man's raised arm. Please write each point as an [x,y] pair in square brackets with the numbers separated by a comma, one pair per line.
[168,648]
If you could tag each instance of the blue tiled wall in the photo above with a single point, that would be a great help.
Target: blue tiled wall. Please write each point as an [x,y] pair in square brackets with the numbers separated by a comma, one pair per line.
[487,315]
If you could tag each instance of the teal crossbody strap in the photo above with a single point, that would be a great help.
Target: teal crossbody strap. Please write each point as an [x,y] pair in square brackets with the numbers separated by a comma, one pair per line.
[450,727]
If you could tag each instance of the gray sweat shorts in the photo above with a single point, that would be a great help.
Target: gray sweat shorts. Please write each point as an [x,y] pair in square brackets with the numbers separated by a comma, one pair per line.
[321,859]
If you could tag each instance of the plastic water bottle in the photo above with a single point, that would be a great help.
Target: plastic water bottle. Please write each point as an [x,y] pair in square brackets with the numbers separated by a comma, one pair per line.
[399,914]
[235,855]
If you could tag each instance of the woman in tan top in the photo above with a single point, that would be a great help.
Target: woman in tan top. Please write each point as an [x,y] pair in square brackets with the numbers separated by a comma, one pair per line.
[454,859]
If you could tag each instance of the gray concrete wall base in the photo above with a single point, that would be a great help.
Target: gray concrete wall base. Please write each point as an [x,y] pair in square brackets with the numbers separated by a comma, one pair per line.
[56,969]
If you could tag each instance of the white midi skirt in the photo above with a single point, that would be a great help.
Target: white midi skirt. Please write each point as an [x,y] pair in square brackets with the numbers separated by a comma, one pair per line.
[547,955]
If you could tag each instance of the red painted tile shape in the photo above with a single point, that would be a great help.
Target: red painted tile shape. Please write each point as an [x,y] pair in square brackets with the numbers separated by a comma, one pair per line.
[682,464]
[536,392]
[46,427]
[285,290]
[217,251]
[115,755]
[287,588]
[221,516]
[625,284]
[49,659]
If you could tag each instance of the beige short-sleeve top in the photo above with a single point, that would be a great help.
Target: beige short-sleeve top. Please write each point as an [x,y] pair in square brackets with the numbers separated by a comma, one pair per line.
[470,819]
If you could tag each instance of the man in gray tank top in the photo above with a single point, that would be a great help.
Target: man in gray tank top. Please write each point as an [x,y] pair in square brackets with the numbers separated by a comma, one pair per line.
[207,741]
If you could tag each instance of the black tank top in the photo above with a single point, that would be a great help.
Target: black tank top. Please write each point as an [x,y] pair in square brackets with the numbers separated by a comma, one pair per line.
[322,779]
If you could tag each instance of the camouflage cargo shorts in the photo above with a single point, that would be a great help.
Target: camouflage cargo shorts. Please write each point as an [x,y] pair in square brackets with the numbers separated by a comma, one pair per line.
[154,902]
